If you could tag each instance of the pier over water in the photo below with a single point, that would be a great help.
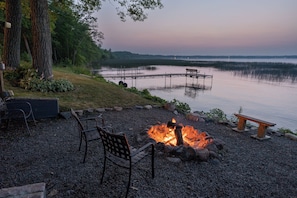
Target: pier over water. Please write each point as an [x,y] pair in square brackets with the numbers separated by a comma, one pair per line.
[193,79]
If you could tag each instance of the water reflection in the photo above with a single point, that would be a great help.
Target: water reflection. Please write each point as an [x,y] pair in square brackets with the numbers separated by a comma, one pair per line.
[268,96]
[268,75]
[274,72]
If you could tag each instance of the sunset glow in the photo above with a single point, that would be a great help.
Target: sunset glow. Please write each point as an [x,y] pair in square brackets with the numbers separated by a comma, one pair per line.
[197,27]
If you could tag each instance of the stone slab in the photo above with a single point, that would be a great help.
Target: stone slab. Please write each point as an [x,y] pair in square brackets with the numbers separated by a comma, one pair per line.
[36,190]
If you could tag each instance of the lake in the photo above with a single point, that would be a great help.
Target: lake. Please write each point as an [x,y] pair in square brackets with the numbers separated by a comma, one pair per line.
[263,99]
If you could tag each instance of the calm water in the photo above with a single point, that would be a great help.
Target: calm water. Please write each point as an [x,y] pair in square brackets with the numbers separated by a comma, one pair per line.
[270,101]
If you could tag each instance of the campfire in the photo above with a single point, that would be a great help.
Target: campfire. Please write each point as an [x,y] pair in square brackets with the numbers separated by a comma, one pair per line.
[184,141]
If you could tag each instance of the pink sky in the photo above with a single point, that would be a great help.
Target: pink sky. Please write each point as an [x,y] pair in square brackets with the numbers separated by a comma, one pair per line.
[206,27]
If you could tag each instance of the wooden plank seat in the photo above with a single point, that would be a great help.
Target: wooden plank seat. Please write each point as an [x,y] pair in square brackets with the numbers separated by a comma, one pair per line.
[263,125]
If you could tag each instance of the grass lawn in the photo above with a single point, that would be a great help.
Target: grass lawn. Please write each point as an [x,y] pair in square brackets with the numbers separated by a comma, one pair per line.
[90,92]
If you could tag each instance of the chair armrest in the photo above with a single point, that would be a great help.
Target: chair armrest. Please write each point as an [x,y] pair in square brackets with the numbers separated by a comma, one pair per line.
[96,119]
[91,118]
[15,113]
[25,106]
[89,130]
[146,146]
[88,118]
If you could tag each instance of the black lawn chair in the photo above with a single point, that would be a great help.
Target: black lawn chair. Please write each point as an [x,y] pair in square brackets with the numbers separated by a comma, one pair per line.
[87,130]
[118,151]
[16,110]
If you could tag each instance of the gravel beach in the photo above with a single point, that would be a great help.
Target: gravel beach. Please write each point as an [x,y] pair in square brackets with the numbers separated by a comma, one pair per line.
[246,167]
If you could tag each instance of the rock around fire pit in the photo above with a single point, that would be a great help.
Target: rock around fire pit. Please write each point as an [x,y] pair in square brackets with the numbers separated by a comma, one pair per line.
[185,142]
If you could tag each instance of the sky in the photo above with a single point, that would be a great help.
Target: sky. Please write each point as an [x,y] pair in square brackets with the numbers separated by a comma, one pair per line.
[205,27]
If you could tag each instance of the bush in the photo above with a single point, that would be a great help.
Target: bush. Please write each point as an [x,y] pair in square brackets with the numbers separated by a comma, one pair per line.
[216,114]
[181,106]
[27,78]
[60,85]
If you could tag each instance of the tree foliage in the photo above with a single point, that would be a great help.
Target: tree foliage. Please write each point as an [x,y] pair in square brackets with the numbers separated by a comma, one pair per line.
[136,8]
[71,30]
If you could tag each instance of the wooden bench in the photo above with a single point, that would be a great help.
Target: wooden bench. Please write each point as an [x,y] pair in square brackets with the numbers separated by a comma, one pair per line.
[263,125]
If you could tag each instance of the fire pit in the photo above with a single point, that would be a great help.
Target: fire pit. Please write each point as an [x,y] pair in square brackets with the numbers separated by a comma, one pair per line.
[186,142]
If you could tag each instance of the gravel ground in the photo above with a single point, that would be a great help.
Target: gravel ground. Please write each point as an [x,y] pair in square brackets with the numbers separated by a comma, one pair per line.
[247,167]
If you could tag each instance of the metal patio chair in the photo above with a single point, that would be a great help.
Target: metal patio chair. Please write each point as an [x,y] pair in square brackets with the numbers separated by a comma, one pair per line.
[16,110]
[118,151]
[87,129]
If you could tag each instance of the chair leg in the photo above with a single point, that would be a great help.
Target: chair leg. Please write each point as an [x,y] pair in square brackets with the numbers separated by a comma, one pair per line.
[153,161]
[86,150]
[33,119]
[25,120]
[128,187]
[104,164]
[80,142]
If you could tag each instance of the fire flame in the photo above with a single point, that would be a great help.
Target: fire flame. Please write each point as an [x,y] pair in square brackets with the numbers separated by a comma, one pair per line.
[191,136]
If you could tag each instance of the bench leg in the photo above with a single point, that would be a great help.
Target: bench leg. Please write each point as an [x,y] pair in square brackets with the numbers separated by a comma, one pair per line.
[241,124]
[261,131]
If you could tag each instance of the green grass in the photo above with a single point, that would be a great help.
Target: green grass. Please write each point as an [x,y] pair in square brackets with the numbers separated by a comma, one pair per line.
[90,92]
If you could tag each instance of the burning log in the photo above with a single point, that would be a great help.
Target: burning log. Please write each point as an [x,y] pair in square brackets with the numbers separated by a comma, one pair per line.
[186,142]
[171,124]
[178,135]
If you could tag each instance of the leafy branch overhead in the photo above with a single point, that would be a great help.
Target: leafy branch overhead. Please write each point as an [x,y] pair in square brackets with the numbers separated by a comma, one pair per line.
[136,8]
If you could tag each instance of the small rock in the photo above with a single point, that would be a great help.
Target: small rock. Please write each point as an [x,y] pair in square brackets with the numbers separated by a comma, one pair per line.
[54,192]
[291,136]
[175,112]
[214,161]
[202,154]
[192,116]
[169,106]
[79,112]
[118,108]
[219,143]
[213,154]
[148,107]
[173,159]
[212,147]
[100,110]
[139,107]
[201,119]
[90,110]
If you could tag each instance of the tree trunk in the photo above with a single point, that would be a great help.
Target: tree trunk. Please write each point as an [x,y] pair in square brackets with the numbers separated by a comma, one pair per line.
[12,36]
[41,35]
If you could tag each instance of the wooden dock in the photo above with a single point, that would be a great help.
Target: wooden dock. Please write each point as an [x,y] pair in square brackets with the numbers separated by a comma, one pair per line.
[192,77]
[134,76]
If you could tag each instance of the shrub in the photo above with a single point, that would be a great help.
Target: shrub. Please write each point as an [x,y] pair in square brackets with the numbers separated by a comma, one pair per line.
[216,114]
[60,85]
[27,78]
[181,106]
[285,130]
